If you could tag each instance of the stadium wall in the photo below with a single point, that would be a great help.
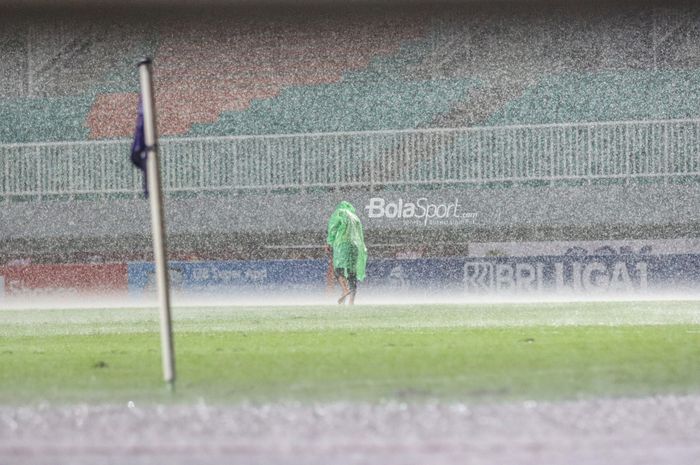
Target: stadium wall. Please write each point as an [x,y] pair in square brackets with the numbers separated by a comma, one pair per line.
[417,210]
[432,209]
[228,72]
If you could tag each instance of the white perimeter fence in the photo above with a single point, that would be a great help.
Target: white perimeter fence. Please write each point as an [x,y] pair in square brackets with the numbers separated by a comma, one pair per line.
[661,150]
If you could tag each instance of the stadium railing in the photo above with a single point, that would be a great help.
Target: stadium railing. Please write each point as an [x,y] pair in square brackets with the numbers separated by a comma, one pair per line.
[649,150]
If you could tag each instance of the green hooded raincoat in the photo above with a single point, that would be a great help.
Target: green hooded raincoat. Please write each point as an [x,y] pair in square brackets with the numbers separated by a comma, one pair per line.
[346,237]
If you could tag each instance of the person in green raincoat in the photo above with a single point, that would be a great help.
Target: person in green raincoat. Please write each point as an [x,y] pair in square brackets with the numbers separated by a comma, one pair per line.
[346,241]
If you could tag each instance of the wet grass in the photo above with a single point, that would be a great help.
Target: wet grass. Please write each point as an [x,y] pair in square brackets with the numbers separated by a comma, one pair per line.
[473,353]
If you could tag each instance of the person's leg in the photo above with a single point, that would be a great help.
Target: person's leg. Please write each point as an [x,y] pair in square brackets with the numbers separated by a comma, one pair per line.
[345,289]
[344,286]
[352,285]
[351,276]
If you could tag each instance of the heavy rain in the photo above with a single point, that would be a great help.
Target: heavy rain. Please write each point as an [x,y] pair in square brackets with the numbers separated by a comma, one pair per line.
[524,176]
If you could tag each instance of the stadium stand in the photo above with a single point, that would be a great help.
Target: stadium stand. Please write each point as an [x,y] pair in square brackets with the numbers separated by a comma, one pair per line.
[39,119]
[238,69]
[370,99]
[354,77]
[322,74]
[59,70]
[635,95]
[325,77]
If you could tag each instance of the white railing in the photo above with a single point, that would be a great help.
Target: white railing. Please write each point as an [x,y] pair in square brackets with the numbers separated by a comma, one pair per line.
[545,153]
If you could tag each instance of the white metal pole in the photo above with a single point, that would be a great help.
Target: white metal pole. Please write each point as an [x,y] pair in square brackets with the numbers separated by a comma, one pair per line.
[157,220]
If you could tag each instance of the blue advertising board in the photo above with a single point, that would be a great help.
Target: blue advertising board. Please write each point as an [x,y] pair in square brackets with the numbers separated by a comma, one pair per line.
[511,275]
[589,274]
[231,276]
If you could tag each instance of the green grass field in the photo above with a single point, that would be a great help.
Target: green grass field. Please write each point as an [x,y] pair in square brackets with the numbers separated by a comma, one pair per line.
[477,353]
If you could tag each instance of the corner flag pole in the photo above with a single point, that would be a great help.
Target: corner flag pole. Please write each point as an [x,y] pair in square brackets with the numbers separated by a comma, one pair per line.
[157,220]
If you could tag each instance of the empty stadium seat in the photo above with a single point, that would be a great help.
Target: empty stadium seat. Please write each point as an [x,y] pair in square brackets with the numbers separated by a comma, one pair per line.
[605,96]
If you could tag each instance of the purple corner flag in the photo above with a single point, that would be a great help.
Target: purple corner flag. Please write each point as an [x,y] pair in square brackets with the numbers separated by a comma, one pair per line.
[139,152]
